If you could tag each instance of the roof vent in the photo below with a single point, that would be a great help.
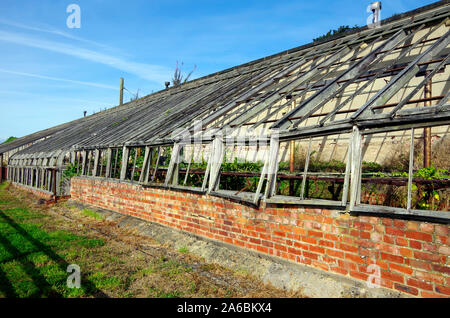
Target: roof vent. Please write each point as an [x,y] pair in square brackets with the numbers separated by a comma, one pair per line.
[374,19]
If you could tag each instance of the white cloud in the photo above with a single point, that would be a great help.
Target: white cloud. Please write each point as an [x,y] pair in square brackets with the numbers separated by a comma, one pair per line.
[52,31]
[59,79]
[153,73]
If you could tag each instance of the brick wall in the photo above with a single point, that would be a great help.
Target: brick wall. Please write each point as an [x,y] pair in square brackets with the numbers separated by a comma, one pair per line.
[39,193]
[413,256]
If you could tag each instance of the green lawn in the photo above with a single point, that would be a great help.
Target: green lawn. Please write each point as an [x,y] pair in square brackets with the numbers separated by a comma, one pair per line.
[33,262]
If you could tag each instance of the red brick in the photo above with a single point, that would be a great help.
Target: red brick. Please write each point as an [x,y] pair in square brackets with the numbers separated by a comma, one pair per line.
[387,248]
[419,236]
[348,248]
[366,244]
[441,269]
[442,230]
[400,223]
[354,258]
[331,237]
[418,264]
[320,265]
[407,289]
[309,240]
[419,284]
[359,275]
[427,256]
[387,283]
[415,244]
[429,247]
[429,277]
[443,240]
[310,255]
[392,258]
[426,227]
[363,226]
[425,294]
[328,259]
[299,230]
[347,265]
[392,276]
[364,235]
[401,269]
[442,289]
[444,250]
[402,241]
[284,228]
[294,251]
[406,252]
[389,239]
[278,233]
[326,243]
[376,237]
[317,249]
[315,233]
[339,270]
[395,231]
[300,245]
[262,249]
[335,253]
[381,264]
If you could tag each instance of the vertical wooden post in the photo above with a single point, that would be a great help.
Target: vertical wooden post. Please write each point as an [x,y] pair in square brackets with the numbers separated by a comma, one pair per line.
[77,160]
[114,173]
[171,171]
[125,154]
[83,166]
[108,163]
[134,165]
[271,186]
[42,178]
[305,171]
[121,91]
[427,130]
[72,157]
[292,160]
[54,182]
[145,168]
[347,172]
[96,159]
[1,167]
[410,172]
[189,165]
[156,164]
[355,167]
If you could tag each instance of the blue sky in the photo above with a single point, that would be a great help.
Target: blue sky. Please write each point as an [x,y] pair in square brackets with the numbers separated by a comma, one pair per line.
[51,73]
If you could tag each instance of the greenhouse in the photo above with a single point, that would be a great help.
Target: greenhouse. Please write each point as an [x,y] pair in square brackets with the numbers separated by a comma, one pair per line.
[357,122]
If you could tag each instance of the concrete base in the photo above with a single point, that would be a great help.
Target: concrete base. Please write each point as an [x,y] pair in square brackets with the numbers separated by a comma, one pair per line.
[278,272]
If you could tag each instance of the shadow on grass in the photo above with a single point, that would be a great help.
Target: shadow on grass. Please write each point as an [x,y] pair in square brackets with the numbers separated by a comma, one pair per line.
[44,287]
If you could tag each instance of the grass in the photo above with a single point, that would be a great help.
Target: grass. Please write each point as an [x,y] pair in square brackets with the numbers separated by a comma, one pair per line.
[33,262]
[38,243]
[92,214]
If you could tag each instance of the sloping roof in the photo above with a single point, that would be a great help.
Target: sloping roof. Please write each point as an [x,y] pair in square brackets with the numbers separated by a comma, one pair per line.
[260,94]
